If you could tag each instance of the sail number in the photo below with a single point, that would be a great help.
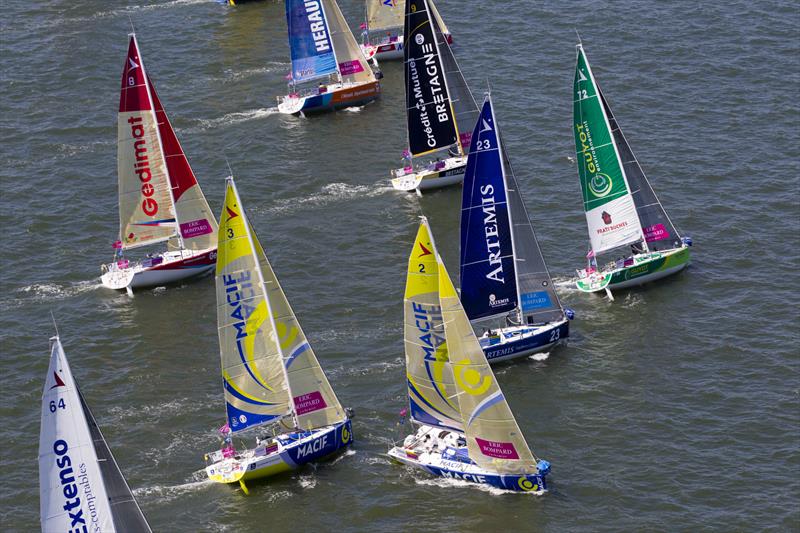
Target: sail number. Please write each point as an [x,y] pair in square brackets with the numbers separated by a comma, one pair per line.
[230,233]
[131,81]
[422,268]
[483,145]
[59,405]
[582,94]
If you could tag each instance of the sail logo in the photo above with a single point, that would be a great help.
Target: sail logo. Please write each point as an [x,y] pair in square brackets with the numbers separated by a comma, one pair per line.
[606,218]
[494,302]
[426,321]
[430,68]
[390,3]
[308,403]
[238,291]
[73,505]
[498,450]
[317,25]
[491,233]
[587,150]
[470,380]
[141,166]
[600,185]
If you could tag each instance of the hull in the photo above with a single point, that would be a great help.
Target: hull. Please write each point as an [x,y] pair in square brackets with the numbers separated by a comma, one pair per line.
[337,97]
[293,451]
[522,341]
[652,267]
[451,173]
[436,465]
[384,51]
[166,268]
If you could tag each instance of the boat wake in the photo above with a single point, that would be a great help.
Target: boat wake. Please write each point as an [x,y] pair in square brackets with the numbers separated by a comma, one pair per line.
[307,481]
[233,118]
[121,12]
[45,292]
[354,109]
[272,66]
[349,452]
[331,193]
[542,356]
[165,493]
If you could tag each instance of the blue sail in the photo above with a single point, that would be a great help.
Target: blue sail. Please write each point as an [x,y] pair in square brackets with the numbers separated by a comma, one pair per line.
[309,40]
[488,278]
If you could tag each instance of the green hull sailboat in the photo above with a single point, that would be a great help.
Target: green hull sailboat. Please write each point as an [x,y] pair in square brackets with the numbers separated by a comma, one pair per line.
[623,214]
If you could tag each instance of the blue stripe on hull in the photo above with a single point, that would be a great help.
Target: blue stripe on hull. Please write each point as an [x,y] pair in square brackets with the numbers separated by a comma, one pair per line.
[521,483]
[527,345]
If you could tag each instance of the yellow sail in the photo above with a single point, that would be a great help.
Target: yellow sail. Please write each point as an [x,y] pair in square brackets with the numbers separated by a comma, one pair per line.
[351,61]
[431,389]
[494,439]
[382,15]
[252,366]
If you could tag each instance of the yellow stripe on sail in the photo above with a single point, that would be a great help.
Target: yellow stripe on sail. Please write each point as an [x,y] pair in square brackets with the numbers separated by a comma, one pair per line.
[229,381]
[422,270]
[254,322]
[446,288]
[442,358]
[233,242]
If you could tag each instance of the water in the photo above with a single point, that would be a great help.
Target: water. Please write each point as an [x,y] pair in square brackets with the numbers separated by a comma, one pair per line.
[675,407]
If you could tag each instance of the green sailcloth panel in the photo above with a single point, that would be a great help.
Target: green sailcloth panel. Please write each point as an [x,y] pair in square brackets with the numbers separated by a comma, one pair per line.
[494,439]
[610,210]
[253,377]
[431,388]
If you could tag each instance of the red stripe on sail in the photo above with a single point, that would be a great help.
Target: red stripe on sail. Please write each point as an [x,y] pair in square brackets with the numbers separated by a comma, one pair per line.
[133,94]
[181,176]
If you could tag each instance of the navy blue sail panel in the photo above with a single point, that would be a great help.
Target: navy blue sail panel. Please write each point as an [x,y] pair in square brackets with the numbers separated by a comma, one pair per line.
[429,112]
[488,283]
[309,40]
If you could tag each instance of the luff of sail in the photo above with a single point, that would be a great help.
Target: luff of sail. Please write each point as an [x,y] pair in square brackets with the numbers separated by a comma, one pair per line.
[383,15]
[196,223]
[429,111]
[438,18]
[610,211]
[488,276]
[659,232]
[310,43]
[351,63]
[145,205]
[254,380]
[78,476]
[494,439]
[431,388]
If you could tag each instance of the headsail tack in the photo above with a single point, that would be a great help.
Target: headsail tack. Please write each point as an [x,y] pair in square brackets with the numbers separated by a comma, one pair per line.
[610,210]
[78,475]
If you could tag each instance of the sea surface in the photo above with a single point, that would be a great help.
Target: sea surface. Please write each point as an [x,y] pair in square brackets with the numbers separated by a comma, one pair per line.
[676,407]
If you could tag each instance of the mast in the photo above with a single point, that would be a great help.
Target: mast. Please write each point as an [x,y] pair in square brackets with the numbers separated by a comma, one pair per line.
[263,287]
[160,143]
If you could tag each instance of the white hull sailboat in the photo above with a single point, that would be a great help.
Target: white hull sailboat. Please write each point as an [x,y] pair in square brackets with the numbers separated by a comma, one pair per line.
[383,29]
[81,487]
[465,428]
[159,197]
[506,288]
[274,386]
[438,104]
[623,213]
[329,70]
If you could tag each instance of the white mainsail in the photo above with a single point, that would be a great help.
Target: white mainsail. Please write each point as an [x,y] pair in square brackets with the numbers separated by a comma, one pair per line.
[350,60]
[81,487]
[269,369]
[383,16]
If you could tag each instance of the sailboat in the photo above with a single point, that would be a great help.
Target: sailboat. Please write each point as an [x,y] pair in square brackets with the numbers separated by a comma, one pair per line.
[383,28]
[273,383]
[503,273]
[159,197]
[621,208]
[438,100]
[466,429]
[81,487]
[329,70]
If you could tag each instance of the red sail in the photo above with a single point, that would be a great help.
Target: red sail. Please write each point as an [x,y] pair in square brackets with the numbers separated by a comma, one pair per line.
[133,96]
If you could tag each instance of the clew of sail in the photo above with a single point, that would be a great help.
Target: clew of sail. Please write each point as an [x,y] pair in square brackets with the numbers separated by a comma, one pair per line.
[146,211]
[254,380]
[310,42]
[78,476]
[431,386]
[610,210]
[351,63]
[196,222]
[494,439]
[464,106]
[429,111]
[488,277]
[659,232]
[384,15]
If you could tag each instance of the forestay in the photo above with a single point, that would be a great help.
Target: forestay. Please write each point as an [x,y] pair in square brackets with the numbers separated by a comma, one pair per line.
[431,389]
[196,223]
[659,232]
[352,64]
[494,439]
[429,111]
[145,205]
[488,279]
[610,210]
[79,480]
[310,43]
[269,368]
